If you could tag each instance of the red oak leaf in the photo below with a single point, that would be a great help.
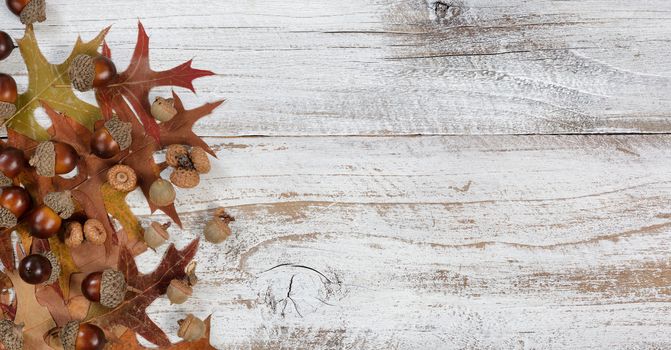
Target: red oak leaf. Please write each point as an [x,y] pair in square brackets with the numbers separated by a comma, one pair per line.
[128,94]
[146,288]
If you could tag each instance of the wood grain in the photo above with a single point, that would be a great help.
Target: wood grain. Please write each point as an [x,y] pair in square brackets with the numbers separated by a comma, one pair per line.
[371,67]
[506,242]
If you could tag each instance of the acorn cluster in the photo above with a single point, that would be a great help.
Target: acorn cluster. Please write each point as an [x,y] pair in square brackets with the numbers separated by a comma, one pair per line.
[58,215]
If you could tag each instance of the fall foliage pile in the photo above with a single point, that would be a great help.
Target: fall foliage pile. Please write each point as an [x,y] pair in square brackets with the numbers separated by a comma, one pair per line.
[70,279]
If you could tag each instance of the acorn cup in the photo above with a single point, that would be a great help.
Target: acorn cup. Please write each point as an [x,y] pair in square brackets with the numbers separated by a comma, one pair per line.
[11,335]
[29,11]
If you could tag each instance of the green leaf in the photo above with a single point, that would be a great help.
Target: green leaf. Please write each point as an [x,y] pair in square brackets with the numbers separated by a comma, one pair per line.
[50,83]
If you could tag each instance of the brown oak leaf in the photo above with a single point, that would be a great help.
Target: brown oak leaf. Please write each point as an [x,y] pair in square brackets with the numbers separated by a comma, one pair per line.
[131,313]
[128,341]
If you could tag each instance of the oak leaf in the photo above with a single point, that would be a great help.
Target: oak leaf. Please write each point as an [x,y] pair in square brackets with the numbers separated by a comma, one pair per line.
[128,341]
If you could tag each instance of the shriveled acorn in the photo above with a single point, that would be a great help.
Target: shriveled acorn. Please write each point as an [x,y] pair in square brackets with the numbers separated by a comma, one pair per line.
[82,336]
[106,287]
[8,96]
[11,335]
[162,193]
[217,229]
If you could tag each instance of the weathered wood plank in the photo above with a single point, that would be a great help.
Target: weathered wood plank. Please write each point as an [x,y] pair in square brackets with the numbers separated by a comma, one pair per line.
[502,242]
[370,67]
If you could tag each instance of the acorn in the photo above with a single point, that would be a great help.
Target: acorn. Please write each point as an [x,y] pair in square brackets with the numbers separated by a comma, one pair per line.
[6,45]
[190,271]
[54,158]
[162,193]
[8,96]
[156,234]
[74,234]
[12,162]
[82,336]
[122,178]
[178,291]
[191,328]
[40,268]
[11,335]
[94,231]
[88,72]
[29,11]
[217,229]
[44,222]
[14,202]
[112,138]
[106,287]
[185,178]
[163,109]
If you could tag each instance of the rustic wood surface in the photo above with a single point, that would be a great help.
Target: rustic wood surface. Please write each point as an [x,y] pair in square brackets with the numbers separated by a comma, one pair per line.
[412,174]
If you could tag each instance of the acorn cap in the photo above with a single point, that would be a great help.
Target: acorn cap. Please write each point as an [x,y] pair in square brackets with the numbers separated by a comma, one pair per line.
[120,131]
[200,160]
[122,178]
[7,109]
[55,267]
[44,159]
[174,154]
[113,288]
[35,11]
[7,218]
[4,180]
[185,178]
[11,335]
[68,335]
[61,203]
[82,72]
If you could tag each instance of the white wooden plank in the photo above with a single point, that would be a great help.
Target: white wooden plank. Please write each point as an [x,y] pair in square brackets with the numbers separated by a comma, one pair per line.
[535,242]
[370,67]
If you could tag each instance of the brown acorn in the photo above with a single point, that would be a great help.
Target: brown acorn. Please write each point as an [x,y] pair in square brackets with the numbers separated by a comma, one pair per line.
[43,222]
[40,268]
[54,158]
[106,287]
[29,11]
[6,45]
[82,336]
[12,162]
[11,335]
[178,291]
[122,178]
[88,72]
[191,328]
[217,229]
[8,96]
[162,193]
[109,140]
[14,202]
[163,109]
[156,234]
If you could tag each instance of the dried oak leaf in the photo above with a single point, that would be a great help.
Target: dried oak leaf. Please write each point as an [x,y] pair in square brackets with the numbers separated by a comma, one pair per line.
[128,341]
[131,88]
[131,313]
[46,83]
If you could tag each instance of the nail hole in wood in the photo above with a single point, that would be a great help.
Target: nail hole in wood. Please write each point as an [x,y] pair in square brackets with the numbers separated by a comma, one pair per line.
[441,9]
